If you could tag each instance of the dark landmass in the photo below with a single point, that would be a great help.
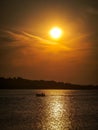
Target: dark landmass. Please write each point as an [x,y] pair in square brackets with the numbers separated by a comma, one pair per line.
[20,83]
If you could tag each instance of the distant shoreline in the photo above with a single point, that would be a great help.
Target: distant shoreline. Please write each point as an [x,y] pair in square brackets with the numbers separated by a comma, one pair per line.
[20,83]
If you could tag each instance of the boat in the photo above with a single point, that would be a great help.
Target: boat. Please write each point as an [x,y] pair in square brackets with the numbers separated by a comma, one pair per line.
[40,94]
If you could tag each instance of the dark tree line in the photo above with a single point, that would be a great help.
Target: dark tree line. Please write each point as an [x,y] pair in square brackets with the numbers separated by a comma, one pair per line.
[20,83]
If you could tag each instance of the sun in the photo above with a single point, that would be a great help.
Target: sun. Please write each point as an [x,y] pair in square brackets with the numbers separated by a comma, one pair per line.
[55,32]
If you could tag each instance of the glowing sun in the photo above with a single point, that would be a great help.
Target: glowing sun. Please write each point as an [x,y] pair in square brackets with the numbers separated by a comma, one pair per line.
[55,32]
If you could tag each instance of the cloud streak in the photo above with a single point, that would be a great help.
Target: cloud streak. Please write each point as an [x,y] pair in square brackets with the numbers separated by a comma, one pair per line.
[22,38]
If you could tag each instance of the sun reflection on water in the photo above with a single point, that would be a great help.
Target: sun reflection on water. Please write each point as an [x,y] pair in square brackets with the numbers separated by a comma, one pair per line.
[56,108]
[57,114]
[52,112]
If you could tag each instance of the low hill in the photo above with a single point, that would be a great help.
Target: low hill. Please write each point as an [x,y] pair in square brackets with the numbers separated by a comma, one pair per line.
[20,83]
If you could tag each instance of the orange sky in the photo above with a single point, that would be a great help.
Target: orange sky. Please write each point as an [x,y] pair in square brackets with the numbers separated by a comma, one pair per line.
[27,50]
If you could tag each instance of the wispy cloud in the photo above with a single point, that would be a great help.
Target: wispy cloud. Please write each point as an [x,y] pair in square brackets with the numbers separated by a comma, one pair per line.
[22,38]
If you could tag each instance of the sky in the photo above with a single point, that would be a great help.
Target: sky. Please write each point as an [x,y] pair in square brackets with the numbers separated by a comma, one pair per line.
[28,51]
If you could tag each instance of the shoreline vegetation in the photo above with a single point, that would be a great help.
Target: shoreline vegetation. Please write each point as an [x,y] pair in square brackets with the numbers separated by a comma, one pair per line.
[21,83]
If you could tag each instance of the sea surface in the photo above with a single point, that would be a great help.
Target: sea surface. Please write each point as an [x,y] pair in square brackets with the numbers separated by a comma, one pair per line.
[58,110]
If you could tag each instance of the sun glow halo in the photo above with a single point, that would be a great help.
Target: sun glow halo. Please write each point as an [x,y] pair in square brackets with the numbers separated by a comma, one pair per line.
[55,33]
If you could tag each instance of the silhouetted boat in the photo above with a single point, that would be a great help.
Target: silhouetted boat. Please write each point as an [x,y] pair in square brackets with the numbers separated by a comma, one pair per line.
[40,94]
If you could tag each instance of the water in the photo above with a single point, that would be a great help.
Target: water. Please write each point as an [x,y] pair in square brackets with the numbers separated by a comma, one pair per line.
[58,110]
